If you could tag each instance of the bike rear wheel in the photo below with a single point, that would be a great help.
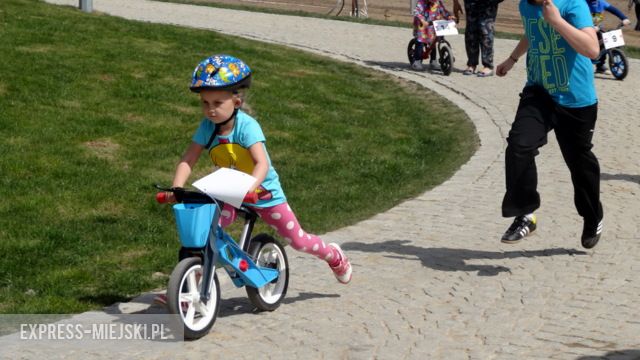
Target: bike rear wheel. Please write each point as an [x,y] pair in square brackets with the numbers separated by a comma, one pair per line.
[267,252]
[411,50]
[618,64]
[184,298]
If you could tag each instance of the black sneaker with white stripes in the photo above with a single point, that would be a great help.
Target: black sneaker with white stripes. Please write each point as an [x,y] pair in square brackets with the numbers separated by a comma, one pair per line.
[521,227]
[591,234]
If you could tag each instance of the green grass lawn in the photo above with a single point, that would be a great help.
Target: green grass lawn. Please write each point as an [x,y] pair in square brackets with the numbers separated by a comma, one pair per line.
[95,109]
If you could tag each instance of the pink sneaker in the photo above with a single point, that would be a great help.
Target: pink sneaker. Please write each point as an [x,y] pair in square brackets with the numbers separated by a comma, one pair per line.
[342,270]
[160,299]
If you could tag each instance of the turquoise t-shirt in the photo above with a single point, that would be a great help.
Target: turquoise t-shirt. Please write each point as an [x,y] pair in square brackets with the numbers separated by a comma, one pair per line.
[232,151]
[551,62]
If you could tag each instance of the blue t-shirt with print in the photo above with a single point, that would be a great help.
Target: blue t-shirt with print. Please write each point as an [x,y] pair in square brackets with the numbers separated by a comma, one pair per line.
[232,151]
[551,62]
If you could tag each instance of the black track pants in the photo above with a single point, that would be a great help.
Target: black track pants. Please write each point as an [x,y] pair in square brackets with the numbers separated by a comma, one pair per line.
[537,114]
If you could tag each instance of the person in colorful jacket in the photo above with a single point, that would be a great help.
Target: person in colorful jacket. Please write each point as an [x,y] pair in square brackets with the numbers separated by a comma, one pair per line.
[425,12]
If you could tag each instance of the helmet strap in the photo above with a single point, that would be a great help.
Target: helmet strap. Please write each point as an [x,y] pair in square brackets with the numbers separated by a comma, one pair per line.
[217,127]
[235,112]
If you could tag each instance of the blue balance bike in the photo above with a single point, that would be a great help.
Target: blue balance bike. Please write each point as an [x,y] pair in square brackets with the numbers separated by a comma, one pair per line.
[259,264]
[615,56]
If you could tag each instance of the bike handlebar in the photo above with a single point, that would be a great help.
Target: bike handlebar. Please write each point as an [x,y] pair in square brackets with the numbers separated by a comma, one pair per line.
[162,197]
[601,29]
[251,198]
[194,197]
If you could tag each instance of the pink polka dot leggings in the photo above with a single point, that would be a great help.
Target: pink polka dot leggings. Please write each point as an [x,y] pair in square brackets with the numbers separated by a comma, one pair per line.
[282,219]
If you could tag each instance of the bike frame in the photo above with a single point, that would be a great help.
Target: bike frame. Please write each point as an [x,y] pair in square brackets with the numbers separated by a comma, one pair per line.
[604,52]
[222,249]
[436,45]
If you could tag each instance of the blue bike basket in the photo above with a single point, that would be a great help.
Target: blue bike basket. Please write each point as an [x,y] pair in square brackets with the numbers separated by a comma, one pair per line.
[194,223]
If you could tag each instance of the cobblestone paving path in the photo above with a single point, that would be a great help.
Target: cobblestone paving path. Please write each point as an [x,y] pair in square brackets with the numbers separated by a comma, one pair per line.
[431,278]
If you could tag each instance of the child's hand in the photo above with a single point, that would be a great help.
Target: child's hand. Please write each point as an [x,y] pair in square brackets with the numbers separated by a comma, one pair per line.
[550,12]
[504,67]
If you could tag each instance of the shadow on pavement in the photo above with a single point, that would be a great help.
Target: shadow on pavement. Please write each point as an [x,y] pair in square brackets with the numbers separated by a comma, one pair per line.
[104,299]
[400,66]
[242,305]
[623,177]
[447,259]
[615,355]
[391,65]
[144,304]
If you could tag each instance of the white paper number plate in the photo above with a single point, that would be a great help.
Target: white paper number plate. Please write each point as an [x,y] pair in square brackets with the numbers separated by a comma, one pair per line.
[227,185]
[612,39]
[445,27]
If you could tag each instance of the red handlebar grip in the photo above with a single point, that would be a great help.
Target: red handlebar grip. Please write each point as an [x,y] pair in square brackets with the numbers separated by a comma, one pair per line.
[161,197]
[251,198]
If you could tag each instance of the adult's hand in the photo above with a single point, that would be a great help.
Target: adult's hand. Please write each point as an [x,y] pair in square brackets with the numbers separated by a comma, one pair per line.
[457,9]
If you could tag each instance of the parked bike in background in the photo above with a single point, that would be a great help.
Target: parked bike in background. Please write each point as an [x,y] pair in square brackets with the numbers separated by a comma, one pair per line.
[358,8]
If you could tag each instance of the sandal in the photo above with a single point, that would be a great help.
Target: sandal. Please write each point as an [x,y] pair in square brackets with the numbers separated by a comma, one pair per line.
[485,73]
[469,71]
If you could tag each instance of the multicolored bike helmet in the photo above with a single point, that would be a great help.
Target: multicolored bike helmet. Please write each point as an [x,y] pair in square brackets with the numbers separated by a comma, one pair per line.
[221,72]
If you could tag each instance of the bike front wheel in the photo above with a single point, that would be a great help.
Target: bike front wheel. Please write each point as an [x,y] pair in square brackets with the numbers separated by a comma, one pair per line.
[446,59]
[267,252]
[184,297]
[618,64]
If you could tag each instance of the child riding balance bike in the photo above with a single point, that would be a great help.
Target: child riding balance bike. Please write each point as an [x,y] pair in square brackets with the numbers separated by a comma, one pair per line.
[425,43]
[610,51]
[235,140]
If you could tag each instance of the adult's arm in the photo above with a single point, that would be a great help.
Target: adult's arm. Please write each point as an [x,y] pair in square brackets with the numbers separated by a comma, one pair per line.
[457,9]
